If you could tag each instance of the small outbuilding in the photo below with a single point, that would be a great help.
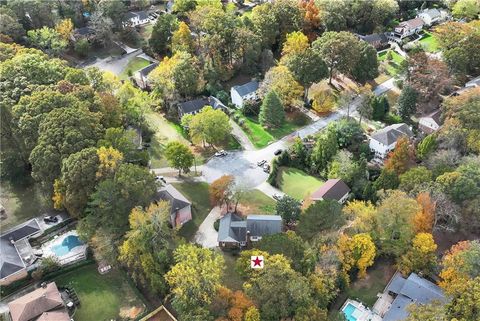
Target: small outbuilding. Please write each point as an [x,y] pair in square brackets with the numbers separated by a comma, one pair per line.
[333,189]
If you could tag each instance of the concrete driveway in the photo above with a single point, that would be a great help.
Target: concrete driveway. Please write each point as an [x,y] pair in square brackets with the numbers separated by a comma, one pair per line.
[206,235]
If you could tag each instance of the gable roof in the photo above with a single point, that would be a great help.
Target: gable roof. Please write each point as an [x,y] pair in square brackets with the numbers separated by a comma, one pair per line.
[174,197]
[247,88]
[432,13]
[35,303]
[54,316]
[414,289]
[380,37]
[232,228]
[333,189]
[260,225]
[473,83]
[412,23]
[193,105]
[436,116]
[84,31]
[392,133]
[148,69]
[141,15]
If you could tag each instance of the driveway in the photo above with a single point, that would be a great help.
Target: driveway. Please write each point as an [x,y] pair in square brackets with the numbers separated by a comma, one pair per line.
[115,65]
[206,235]
[269,190]
[384,87]
[241,136]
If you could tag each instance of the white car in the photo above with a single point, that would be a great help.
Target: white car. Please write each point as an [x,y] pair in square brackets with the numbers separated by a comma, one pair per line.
[221,153]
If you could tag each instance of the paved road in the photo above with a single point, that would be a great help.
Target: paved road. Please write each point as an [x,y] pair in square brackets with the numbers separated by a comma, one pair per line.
[384,87]
[206,235]
[114,65]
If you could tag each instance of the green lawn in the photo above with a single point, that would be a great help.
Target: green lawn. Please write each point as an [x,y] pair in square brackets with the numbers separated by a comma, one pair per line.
[134,65]
[197,193]
[297,183]
[429,43]
[392,67]
[231,279]
[102,297]
[256,202]
[261,137]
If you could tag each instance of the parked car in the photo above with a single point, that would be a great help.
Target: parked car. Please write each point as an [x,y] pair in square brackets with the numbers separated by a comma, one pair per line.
[277,197]
[161,178]
[221,153]
[266,168]
[50,219]
[277,152]
[260,163]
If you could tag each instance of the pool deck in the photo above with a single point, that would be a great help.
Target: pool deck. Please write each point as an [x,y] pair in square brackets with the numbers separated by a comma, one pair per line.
[75,254]
[361,313]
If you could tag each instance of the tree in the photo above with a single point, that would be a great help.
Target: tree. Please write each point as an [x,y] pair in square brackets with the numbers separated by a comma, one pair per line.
[288,244]
[320,216]
[65,28]
[367,65]
[179,156]
[339,50]
[426,146]
[62,132]
[265,24]
[289,209]
[365,109]
[109,160]
[324,99]
[468,9]
[194,279]
[231,306]
[103,26]
[272,114]
[356,252]
[252,314]
[465,304]
[148,245]
[122,140]
[165,26]
[401,158]
[281,80]
[47,39]
[9,25]
[393,223]
[380,107]
[295,44]
[208,126]
[388,179]
[311,20]
[421,258]
[433,311]
[183,6]
[182,39]
[324,149]
[361,214]
[460,264]
[220,190]
[414,178]
[407,103]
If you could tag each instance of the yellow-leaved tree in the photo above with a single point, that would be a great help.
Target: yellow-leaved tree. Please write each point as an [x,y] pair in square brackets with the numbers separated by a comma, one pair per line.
[421,257]
[361,214]
[109,159]
[65,28]
[356,252]
[295,43]
[182,39]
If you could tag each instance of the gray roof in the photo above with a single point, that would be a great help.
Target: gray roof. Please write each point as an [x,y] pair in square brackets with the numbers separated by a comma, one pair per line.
[433,13]
[174,197]
[392,133]
[473,83]
[142,15]
[332,189]
[247,88]
[146,70]
[216,103]
[232,229]
[193,105]
[260,225]
[381,37]
[10,260]
[414,289]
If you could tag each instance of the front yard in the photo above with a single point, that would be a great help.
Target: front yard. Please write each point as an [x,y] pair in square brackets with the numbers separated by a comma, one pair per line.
[256,202]
[102,297]
[261,137]
[297,183]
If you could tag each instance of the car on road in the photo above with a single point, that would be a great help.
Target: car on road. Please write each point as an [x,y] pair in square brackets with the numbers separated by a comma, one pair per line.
[277,197]
[221,153]
[50,219]
[277,152]
[161,179]
[261,163]
[266,168]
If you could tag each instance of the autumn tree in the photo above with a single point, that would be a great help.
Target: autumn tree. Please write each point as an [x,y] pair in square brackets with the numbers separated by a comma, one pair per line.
[194,280]
[468,9]
[179,156]
[272,113]
[230,306]
[163,29]
[401,158]
[65,28]
[361,214]
[311,20]
[210,126]
[295,44]
[356,252]
[182,39]
[220,190]
[324,99]
[281,80]
[421,256]
[424,219]
[465,304]
[148,245]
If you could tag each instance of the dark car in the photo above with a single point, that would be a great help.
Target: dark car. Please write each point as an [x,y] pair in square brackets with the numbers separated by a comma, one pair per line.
[50,219]
[277,152]
[277,197]
[260,163]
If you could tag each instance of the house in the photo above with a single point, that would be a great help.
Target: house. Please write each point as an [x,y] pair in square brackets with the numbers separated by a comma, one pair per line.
[192,107]
[400,293]
[333,189]
[141,76]
[136,18]
[243,93]
[474,83]
[180,206]
[235,232]
[432,16]
[13,260]
[83,33]
[384,140]
[377,40]
[43,304]
[159,314]
[430,123]
[406,29]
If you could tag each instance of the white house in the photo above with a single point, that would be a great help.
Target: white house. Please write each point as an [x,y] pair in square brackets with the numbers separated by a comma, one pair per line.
[406,29]
[430,123]
[432,16]
[136,18]
[246,92]
[383,141]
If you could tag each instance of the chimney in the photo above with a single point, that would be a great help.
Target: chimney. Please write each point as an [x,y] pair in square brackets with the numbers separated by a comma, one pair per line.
[249,242]
[44,285]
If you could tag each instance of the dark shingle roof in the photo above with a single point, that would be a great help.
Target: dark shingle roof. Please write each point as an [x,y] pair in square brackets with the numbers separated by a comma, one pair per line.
[247,88]
[333,189]
[193,105]
[130,15]
[260,225]
[146,70]
[392,133]
[374,38]
[142,15]
[84,31]
[174,197]
[232,228]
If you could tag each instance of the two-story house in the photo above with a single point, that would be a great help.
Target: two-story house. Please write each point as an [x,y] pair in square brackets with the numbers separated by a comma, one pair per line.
[136,18]
[243,93]
[406,29]
[194,106]
[384,140]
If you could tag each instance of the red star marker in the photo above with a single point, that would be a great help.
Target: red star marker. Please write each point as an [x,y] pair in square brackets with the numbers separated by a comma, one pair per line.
[256,262]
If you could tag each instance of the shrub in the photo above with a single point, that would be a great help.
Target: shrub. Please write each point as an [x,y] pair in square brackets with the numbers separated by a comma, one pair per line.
[392,119]
[216,225]
[272,178]
[82,47]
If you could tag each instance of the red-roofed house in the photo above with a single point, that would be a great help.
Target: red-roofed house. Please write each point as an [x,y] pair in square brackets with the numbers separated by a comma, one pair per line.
[333,189]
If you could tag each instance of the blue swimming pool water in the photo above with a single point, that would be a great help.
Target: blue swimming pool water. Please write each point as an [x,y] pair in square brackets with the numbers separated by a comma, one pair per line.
[348,311]
[67,245]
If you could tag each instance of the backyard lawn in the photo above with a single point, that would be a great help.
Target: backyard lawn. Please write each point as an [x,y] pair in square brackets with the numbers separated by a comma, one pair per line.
[102,297]
[429,43]
[231,279]
[133,65]
[392,67]
[261,137]
[197,193]
[297,183]
[256,202]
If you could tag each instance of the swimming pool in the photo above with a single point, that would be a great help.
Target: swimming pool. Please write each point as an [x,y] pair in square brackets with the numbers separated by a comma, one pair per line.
[68,243]
[348,310]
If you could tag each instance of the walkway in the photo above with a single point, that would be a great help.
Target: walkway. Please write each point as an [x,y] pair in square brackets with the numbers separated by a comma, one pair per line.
[241,137]
[206,235]
[384,87]
[269,190]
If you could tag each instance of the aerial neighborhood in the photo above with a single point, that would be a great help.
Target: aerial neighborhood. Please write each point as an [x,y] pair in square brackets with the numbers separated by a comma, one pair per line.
[240,160]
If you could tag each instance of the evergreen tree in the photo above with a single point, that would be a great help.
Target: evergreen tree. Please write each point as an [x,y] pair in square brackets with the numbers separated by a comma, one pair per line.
[407,103]
[271,111]
[380,107]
